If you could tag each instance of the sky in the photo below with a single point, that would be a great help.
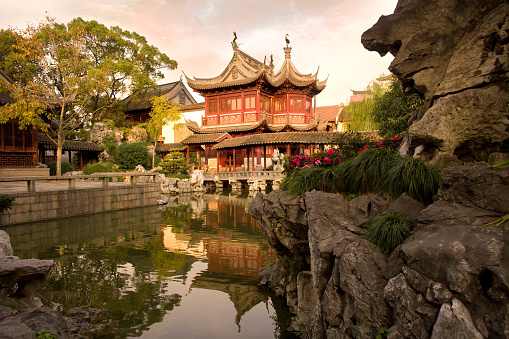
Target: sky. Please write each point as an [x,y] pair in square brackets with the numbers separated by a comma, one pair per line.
[198,33]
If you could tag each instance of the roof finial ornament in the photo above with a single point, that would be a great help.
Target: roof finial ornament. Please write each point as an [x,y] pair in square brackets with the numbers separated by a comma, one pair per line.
[234,42]
[271,61]
[287,40]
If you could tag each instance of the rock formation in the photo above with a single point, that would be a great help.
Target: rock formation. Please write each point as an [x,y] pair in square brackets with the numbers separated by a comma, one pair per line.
[21,315]
[455,54]
[449,279]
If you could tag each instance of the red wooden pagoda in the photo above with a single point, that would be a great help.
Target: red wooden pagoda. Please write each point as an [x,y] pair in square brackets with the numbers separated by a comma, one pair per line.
[249,98]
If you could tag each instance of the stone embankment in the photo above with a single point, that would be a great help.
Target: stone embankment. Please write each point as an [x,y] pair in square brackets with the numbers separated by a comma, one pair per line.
[449,279]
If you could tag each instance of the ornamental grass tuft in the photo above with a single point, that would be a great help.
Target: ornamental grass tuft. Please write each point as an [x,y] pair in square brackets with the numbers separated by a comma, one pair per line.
[412,176]
[388,230]
[367,171]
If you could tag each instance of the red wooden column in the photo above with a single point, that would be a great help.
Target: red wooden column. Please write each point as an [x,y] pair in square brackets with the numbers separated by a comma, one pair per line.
[234,159]
[218,157]
[247,159]
[187,155]
[207,151]
[252,158]
[288,150]
[264,158]
[199,159]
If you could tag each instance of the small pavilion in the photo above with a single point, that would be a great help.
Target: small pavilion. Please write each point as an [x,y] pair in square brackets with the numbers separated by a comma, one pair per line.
[253,112]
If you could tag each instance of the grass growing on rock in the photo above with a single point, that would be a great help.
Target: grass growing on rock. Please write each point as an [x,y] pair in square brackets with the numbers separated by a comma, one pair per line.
[388,230]
[374,170]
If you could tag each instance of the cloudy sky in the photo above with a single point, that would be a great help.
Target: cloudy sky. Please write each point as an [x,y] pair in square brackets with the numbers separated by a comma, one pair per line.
[197,33]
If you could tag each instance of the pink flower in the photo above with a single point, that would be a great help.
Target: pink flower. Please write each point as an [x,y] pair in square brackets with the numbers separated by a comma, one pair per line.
[305,166]
[318,162]
[330,151]
[380,144]
[327,160]
[339,160]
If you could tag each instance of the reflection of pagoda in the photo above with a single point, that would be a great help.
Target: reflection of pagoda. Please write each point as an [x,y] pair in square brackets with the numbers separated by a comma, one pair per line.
[243,293]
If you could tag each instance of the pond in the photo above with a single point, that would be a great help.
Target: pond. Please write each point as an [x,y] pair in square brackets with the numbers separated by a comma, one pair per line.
[189,271]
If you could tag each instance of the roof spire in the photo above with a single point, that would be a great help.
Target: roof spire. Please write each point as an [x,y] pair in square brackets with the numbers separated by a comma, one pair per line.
[287,40]
[234,42]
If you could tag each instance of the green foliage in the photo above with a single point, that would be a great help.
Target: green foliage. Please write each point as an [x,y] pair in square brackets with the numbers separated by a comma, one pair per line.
[66,167]
[413,176]
[45,335]
[6,202]
[99,167]
[377,170]
[367,171]
[163,112]
[382,333]
[110,146]
[502,221]
[392,110]
[502,164]
[351,142]
[175,162]
[360,114]
[131,155]
[388,230]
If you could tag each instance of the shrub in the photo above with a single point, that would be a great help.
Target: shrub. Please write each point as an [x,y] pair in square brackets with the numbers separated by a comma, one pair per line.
[110,146]
[326,179]
[175,162]
[327,158]
[388,230]
[351,142]
[98,167]
[131,155]
[6,202]
[66,167]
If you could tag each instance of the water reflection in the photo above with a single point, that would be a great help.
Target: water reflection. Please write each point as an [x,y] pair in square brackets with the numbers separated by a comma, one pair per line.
[188,271]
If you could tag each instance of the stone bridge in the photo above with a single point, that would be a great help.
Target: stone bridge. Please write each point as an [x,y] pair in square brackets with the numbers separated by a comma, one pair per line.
[254,180]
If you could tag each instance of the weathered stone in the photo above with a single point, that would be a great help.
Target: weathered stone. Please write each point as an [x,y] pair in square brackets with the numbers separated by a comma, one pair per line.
[45,319]
[454,321]
[406,206]
[444,160]
[366,207]
[137,135]
[5,244]
[306,297]
[497,157]
[405,302]
[455,54]
[477,185]
[14,329]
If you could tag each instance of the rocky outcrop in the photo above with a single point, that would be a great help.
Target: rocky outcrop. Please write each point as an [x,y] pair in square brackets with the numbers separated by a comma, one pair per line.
[455,54]
[21,315]
[449,279]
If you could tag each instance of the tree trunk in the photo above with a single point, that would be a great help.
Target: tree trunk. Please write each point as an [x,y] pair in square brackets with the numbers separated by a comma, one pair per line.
[59,155]
[154,154]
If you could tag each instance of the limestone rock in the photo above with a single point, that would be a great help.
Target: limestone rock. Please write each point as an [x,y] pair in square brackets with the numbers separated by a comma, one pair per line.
[14,329]
[137,135]
[366,207]
[454,321]
[455,54]
[497,157]
[406,206]
[5,244]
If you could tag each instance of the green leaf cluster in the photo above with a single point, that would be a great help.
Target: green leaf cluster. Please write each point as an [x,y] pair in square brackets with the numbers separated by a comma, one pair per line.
[6,202]
[392,109]
[131,155]
[175,162]
[66,167]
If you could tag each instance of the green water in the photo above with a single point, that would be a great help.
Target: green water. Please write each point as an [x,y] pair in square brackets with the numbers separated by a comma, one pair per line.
[186,272]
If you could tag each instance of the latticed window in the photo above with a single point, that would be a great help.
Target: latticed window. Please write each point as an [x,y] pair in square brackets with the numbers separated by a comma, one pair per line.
[250,102]
[213,106]
[296,104]
[280,105]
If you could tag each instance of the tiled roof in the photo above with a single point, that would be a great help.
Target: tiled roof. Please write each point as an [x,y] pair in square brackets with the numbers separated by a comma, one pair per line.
[279,138]
[201,139]
[193,126]
[244,69]
[327,113]
[168,147]
[68,145]
[143,102]
[344,115]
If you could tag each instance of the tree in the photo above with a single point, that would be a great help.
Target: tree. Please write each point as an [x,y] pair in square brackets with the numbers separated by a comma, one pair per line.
[125,59]
[393,109]
[163,112]
[82,70]
[175,162]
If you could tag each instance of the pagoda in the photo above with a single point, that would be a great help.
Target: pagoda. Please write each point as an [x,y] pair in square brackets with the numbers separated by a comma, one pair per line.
[252,104]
